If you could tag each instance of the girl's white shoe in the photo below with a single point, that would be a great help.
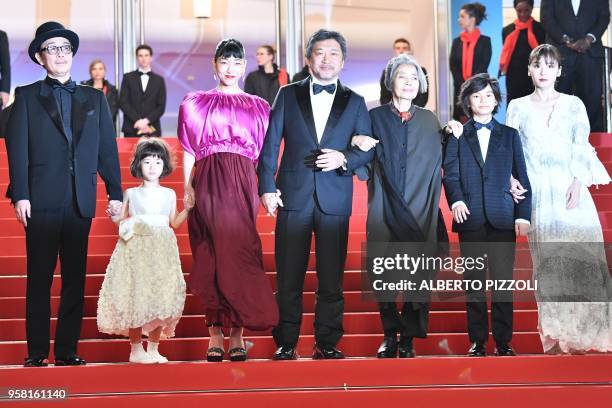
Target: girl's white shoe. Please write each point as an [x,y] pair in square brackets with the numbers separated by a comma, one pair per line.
[153,352]
[154,355]
[140,356]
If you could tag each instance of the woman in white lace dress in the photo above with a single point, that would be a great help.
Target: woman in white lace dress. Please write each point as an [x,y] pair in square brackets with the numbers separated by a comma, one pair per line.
[566,240]
[143,290]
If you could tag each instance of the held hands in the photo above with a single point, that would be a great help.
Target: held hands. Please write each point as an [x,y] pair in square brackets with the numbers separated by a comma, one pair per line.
[517,190]
[582,45]
[114,208]
[455,127]
[189,197]
[330,160]
[142,125]
[364,143]
[271,201]
[460,213]
[573,195]
[23,211]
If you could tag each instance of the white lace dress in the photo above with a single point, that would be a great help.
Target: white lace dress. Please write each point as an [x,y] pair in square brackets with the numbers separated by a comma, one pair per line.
[566,245]
[144,285]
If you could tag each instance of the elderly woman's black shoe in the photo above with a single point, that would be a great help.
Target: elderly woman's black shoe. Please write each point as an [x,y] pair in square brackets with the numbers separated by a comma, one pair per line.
[388,348]
[406,349]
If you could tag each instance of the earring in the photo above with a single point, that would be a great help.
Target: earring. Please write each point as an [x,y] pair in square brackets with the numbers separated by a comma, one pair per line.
[215,77]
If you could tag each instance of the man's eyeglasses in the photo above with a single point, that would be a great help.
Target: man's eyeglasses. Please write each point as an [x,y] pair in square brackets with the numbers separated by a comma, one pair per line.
[55,50]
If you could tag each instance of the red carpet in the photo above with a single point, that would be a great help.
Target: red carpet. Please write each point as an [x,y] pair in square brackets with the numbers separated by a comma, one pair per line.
[531,378]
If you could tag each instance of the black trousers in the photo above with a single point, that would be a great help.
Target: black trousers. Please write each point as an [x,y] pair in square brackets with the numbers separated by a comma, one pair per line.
[293,238]
[412,322]
[52,232]
[581,76]
[499,247]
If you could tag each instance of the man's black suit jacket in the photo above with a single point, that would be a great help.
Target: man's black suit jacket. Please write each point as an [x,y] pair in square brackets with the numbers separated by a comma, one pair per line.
[5,64]
[137,104]
[292,119]
[558,18]
[39,154]
[484,185]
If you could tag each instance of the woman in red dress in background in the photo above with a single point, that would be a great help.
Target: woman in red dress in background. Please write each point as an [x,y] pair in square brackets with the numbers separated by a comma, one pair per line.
[222,132]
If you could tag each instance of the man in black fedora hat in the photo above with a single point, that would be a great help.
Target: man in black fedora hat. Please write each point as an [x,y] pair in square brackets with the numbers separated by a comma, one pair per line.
[59,136]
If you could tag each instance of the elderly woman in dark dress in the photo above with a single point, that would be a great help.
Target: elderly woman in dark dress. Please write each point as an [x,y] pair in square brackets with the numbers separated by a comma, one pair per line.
[404,187]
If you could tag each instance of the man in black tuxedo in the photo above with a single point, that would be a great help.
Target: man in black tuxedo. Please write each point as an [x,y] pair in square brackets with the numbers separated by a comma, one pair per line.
[60,135]
[142,97]
[477,172]
[5,70]
[317,117]
[576,27]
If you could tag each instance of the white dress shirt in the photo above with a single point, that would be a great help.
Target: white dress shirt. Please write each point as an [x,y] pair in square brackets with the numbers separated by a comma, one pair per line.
[321,107]
[484,137]
[144,79]
[576,6]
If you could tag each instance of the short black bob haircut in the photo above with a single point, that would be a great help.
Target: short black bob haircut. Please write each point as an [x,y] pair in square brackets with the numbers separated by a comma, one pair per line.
[475,84]
[323,35]
[229,48]
[151,147]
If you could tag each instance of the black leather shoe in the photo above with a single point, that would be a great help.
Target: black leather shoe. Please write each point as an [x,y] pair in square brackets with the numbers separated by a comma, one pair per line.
[388,348]
[285,353]
[36,362]
[478,349]
[69,361]
[406,350]
[326,353]
[504,350]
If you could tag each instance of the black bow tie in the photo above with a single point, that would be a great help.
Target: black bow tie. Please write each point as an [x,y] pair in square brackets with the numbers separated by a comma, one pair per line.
[318,88]
[143,73]
[69,86]
[479,125]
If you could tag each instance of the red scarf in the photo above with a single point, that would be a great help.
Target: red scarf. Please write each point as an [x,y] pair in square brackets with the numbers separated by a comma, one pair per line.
[511,40]
[469,41]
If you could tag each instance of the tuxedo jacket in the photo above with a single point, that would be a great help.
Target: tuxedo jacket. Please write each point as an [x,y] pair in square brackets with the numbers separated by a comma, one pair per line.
[558,18]
[484,185]
[5,64]
[291,120]
[39,154]
[137,104]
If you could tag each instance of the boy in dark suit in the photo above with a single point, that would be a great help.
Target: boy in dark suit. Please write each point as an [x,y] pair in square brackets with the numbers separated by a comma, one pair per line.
[143,97]
[478,168]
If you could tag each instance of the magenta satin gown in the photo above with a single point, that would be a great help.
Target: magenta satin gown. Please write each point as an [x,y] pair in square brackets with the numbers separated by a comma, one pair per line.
[225,133]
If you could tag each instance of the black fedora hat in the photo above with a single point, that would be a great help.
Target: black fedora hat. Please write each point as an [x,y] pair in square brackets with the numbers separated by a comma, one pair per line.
[52,29]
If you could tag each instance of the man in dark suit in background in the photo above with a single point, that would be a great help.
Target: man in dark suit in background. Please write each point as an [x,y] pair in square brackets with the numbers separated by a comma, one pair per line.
[142,97]
[60,135]
[576,27]
[317,117]
[477,172]
[5,70]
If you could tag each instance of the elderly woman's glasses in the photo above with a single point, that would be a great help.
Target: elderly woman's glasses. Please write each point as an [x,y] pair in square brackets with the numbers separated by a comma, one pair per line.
[55,50]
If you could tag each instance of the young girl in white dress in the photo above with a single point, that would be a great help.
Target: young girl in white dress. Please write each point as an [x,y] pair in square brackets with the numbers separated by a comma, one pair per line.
[143,290]
[565,238]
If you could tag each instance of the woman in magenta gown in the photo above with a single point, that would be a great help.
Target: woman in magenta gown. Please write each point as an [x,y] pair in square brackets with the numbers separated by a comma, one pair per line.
[222,132]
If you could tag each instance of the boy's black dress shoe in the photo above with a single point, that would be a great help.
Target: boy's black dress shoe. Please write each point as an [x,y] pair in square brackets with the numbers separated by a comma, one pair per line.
[388,348]
[36,362]
[406,349]
[504,350]
[478,349]
[69,361]
[326,353]
[285,353]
